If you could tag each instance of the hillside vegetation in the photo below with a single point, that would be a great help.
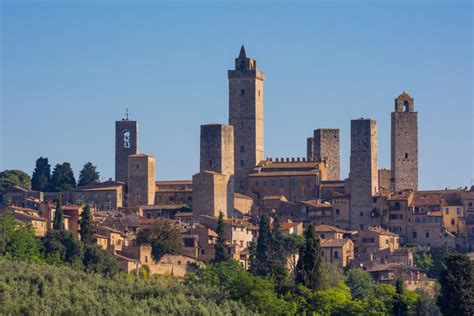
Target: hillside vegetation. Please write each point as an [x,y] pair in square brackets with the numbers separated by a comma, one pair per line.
[32,289]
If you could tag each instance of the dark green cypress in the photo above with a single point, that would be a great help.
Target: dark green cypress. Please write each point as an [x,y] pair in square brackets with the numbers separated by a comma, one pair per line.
[220,249]
[308,268]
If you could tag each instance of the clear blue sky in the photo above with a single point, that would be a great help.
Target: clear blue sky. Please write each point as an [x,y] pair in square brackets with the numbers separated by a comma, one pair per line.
[69,71]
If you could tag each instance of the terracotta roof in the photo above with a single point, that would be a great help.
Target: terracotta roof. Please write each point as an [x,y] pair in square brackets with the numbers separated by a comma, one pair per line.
[327,243]
[381,231]
[328,228]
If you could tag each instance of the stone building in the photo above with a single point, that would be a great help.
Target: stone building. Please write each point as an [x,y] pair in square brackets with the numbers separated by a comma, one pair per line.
[246,116]
[324,146]
[213,186]
[141,180]
[174,192]
[104,196]
[126,144]
[295,178]
[404,144]
[363,172]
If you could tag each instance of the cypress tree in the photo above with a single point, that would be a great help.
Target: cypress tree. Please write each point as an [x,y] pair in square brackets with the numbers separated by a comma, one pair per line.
[86,227]
[58,223]
[399,306]
[88,175]
[308,268]
[41,175]
[278,253]
[220,250]
[260,264]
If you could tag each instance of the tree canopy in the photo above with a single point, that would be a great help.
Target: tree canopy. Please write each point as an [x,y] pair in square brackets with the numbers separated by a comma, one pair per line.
[308,268]
[9,178]
[221,254]
[86,228]
[163,237]
[62,178]
[88,175]
[41,175]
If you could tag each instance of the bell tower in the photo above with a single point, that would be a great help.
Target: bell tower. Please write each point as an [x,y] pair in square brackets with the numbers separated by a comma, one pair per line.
[126,144]
[246,116]
[404,157]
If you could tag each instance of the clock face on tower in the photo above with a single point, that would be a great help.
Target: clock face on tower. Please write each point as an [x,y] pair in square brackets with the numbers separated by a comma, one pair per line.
[126,139]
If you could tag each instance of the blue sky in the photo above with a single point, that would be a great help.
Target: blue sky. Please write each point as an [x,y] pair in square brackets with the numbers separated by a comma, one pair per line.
[69,70]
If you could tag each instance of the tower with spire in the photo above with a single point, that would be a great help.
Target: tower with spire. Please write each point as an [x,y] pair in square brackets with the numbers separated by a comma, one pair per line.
[404,155]
[246,116]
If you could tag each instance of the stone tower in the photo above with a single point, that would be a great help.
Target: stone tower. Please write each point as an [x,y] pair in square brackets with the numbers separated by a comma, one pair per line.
[126,144]
[326,147]
[217,154]
[246,115]
[141,180]
[310,148]
[213,186]
[404,144]
[363,173]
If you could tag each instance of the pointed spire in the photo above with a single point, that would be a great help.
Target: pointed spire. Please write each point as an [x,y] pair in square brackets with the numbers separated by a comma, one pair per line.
[242,53]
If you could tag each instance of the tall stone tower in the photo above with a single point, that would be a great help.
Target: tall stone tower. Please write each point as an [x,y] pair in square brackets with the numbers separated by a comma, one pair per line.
[404,144]
[363,173]
[126,144]
[213,186]
[141,180]
[326,147]
[246,115]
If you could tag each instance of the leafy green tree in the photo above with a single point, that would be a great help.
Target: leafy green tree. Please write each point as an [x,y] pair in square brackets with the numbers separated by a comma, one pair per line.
[88,175]
[438,256]
[99,261]
[86,227]
[361,283]
[457,286]
[400,307]
[308,268]
[9,178]
[260,260]
[61,244]
[41,175]
[326,302]
[256,292]
[18,241]
[423,260]
[163,237]
[332,275]
[221,254]
[62,178]
[58,221]
[293,243]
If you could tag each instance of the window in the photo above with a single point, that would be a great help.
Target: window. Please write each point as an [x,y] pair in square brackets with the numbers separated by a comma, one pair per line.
[293,183]
[108,196]
[336,254]
[452,222]
[458,211]
[282,183]
[126,139]
[242,92]
[242,149]
[137,196]
[94,196]
[470,203]
[210,162]
[361,213]
[138,166]
[273,183]
[447,211]
[241,184]
[256,183]
[337,211]
[414,235]
[427,235]
[406,155]
[203,251]
[242,163]
[179,262]
[258,92]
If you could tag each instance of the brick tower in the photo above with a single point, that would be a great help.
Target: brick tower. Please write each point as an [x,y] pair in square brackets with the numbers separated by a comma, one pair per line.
[404,144]
[246,115]
[126,144]
[363,173]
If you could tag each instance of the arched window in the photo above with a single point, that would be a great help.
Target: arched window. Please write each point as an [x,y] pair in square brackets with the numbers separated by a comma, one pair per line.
[406,106]
[242,65]
[126,139]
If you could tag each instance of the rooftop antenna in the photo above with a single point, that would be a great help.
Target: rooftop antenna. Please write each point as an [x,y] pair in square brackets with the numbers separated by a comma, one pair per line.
[126,114]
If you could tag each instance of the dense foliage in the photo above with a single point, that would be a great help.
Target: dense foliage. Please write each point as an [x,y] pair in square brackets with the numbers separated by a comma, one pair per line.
[41,175]
[163,237]
[221,254]
[9,178]
[62,178]
[31,289]
[88,175]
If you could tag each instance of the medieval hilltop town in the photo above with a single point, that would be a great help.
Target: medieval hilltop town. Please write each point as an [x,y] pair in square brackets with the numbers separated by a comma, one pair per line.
[363,220]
